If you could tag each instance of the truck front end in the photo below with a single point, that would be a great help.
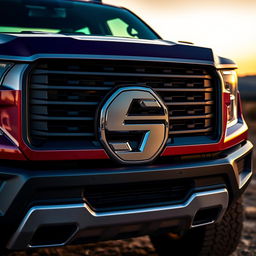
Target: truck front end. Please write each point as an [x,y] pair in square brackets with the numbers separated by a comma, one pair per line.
[109,132]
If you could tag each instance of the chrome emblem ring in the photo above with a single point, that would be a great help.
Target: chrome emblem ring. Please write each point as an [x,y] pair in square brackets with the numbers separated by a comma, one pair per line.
[134,125]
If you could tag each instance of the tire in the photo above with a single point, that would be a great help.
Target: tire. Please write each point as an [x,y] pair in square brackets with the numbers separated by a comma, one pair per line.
[220,239]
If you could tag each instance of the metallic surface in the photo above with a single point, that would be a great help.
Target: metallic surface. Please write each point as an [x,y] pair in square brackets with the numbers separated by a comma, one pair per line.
[85,218]
[154,128]
[14,79]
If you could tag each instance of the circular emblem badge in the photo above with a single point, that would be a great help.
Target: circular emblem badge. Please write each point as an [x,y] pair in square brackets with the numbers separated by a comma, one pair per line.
[134,125]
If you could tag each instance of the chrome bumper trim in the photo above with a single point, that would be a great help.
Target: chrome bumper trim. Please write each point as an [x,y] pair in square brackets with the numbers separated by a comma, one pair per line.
[85,218]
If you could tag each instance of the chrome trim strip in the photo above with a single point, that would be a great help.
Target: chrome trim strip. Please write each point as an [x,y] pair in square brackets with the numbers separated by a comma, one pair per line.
[234,156]
[226,66]
[244,177]
[14,77]
[85,218]
[5,72]
[7,134]
[104,57]
[235,130]
[201,225]
[39,71]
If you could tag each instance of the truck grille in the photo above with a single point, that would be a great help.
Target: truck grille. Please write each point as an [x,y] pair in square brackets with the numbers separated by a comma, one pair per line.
[63,97]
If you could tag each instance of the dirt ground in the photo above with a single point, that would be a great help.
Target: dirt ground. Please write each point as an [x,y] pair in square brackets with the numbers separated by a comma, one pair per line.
[142,246]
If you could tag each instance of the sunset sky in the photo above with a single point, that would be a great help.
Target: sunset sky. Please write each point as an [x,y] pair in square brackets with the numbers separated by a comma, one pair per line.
[227,26]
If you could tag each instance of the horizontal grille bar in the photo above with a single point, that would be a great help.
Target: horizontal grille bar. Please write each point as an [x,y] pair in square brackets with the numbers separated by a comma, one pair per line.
[55,72]
[191,131]
[183,90]
[54,134]
[189,103]
[191,117]
[62,118]
[58,87]
[44,102]
[98,88]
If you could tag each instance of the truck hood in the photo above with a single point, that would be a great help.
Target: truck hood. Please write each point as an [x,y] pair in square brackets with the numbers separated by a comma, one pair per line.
[29,47]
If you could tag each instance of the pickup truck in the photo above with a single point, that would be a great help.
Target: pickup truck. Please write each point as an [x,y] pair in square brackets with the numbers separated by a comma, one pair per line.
[107,131]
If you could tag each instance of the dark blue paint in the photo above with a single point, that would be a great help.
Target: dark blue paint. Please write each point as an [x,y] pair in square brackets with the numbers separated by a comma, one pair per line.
[226,61]
[28,46]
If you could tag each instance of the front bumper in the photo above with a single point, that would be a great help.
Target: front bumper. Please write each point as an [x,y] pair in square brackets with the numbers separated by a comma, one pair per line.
[85,222]
[41,202]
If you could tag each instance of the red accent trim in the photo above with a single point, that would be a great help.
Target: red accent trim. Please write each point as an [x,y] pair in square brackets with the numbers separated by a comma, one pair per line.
[10,124]
[65,155]
[10,112]
[10,120]
[227,100]
[11,153]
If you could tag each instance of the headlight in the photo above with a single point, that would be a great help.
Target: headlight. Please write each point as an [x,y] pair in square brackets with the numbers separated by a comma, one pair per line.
[230,82]
[4,67]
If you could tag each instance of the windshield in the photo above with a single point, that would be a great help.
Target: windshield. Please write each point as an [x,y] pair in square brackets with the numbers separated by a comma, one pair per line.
[70,17]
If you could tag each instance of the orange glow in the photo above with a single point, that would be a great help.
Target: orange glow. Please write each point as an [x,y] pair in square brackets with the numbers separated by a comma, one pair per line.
[226,26]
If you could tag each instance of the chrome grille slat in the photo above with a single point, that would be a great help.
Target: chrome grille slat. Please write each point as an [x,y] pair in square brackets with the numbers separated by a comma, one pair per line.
[64,97]
[65,118]
[44,102]
[191,131]
[188,103]
[43,72]
[52,87]
[191,117]
[183,90]
[53,134]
